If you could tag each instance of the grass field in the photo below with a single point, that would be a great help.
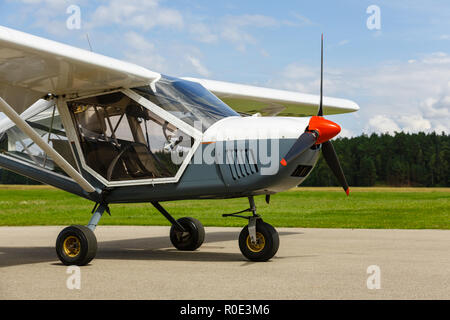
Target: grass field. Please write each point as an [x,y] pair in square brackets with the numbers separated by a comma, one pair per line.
[394,208]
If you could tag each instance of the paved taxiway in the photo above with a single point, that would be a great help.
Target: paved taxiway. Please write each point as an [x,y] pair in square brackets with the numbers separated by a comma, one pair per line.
[140,263]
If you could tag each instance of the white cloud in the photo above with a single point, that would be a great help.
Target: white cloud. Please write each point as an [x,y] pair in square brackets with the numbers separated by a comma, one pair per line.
[237,29]
[142,52]
[198,66]
[203,33]
[175,60]
[142,14]
[145,15]
[415,95]
[382,124]
[343,43]
[297,71]
[238,37]
[138,42]
[436,108]
[255,20]
[48,15]
[234,29]
[50,3]
[412,95]
[405,123]
[415,123]
[306,79]
[264,53]
[437,58]
[346,133]
[298,21]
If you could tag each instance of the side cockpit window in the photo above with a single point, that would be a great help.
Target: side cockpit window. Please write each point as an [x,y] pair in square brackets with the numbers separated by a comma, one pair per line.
[122,140]
[47,123]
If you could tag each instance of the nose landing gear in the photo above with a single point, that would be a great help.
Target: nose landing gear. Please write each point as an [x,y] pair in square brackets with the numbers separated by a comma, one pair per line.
[265,246]
[258,241]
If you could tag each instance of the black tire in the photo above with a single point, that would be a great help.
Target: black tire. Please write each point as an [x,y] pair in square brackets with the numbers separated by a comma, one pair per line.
[267,246]
[76,245]
[192,239]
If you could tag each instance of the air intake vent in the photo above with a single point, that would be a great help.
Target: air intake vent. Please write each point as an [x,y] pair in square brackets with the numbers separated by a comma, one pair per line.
[242,163]
[301,171]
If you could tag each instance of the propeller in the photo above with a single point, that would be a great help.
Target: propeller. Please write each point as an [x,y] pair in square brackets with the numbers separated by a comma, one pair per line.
[319,132]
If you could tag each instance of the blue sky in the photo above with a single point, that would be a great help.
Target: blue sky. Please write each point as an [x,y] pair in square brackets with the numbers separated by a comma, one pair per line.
[399,75]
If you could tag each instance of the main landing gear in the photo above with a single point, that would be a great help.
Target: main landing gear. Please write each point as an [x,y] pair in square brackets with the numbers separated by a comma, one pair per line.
[258,241]
[186,233]
[77,245]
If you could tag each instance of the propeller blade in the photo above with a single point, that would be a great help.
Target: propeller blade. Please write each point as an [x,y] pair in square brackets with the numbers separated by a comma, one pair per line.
[320,113]
[319,131]
[303,143]
[333,162]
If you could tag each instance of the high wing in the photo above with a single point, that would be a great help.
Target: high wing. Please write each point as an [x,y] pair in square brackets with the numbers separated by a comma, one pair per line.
[269,102]
[31,67]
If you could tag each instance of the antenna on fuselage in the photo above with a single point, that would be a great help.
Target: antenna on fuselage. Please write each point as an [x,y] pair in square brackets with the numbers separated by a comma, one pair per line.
[89,42]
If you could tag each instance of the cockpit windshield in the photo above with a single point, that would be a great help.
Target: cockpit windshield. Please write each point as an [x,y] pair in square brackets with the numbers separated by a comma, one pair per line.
[187,100]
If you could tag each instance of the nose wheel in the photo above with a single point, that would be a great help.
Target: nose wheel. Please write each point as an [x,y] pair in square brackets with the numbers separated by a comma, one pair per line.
[258,241]
[264,247]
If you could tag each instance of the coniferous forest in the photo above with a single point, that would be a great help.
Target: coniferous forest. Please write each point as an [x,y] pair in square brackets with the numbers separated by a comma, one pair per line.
[415,160]
[406,160]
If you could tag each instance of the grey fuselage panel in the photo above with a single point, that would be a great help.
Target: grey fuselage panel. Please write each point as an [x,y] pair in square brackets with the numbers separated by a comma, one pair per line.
[220,181]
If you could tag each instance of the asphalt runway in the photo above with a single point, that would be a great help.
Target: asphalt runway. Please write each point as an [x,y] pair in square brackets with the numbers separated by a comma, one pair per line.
[140,263]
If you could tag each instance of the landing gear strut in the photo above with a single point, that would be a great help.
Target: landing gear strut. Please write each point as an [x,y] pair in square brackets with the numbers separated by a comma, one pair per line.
[258,241]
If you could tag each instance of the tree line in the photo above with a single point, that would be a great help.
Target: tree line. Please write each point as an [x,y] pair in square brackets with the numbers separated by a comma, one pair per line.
[402,159]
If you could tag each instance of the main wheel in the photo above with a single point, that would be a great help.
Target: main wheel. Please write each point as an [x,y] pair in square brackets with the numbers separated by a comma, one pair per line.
[76,245]
[267,242]
[190,240]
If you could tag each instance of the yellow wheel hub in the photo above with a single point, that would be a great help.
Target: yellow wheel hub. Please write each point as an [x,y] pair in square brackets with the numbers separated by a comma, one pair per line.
[259,245]
[72,246]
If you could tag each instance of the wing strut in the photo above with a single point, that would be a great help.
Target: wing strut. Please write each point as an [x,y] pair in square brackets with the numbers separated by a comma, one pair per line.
[36,138]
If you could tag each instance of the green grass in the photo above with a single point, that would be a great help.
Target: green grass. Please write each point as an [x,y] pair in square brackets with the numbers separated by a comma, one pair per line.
[401,208]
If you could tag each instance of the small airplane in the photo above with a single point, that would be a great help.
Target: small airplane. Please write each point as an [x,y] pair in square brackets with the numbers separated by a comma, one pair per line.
[114,132]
